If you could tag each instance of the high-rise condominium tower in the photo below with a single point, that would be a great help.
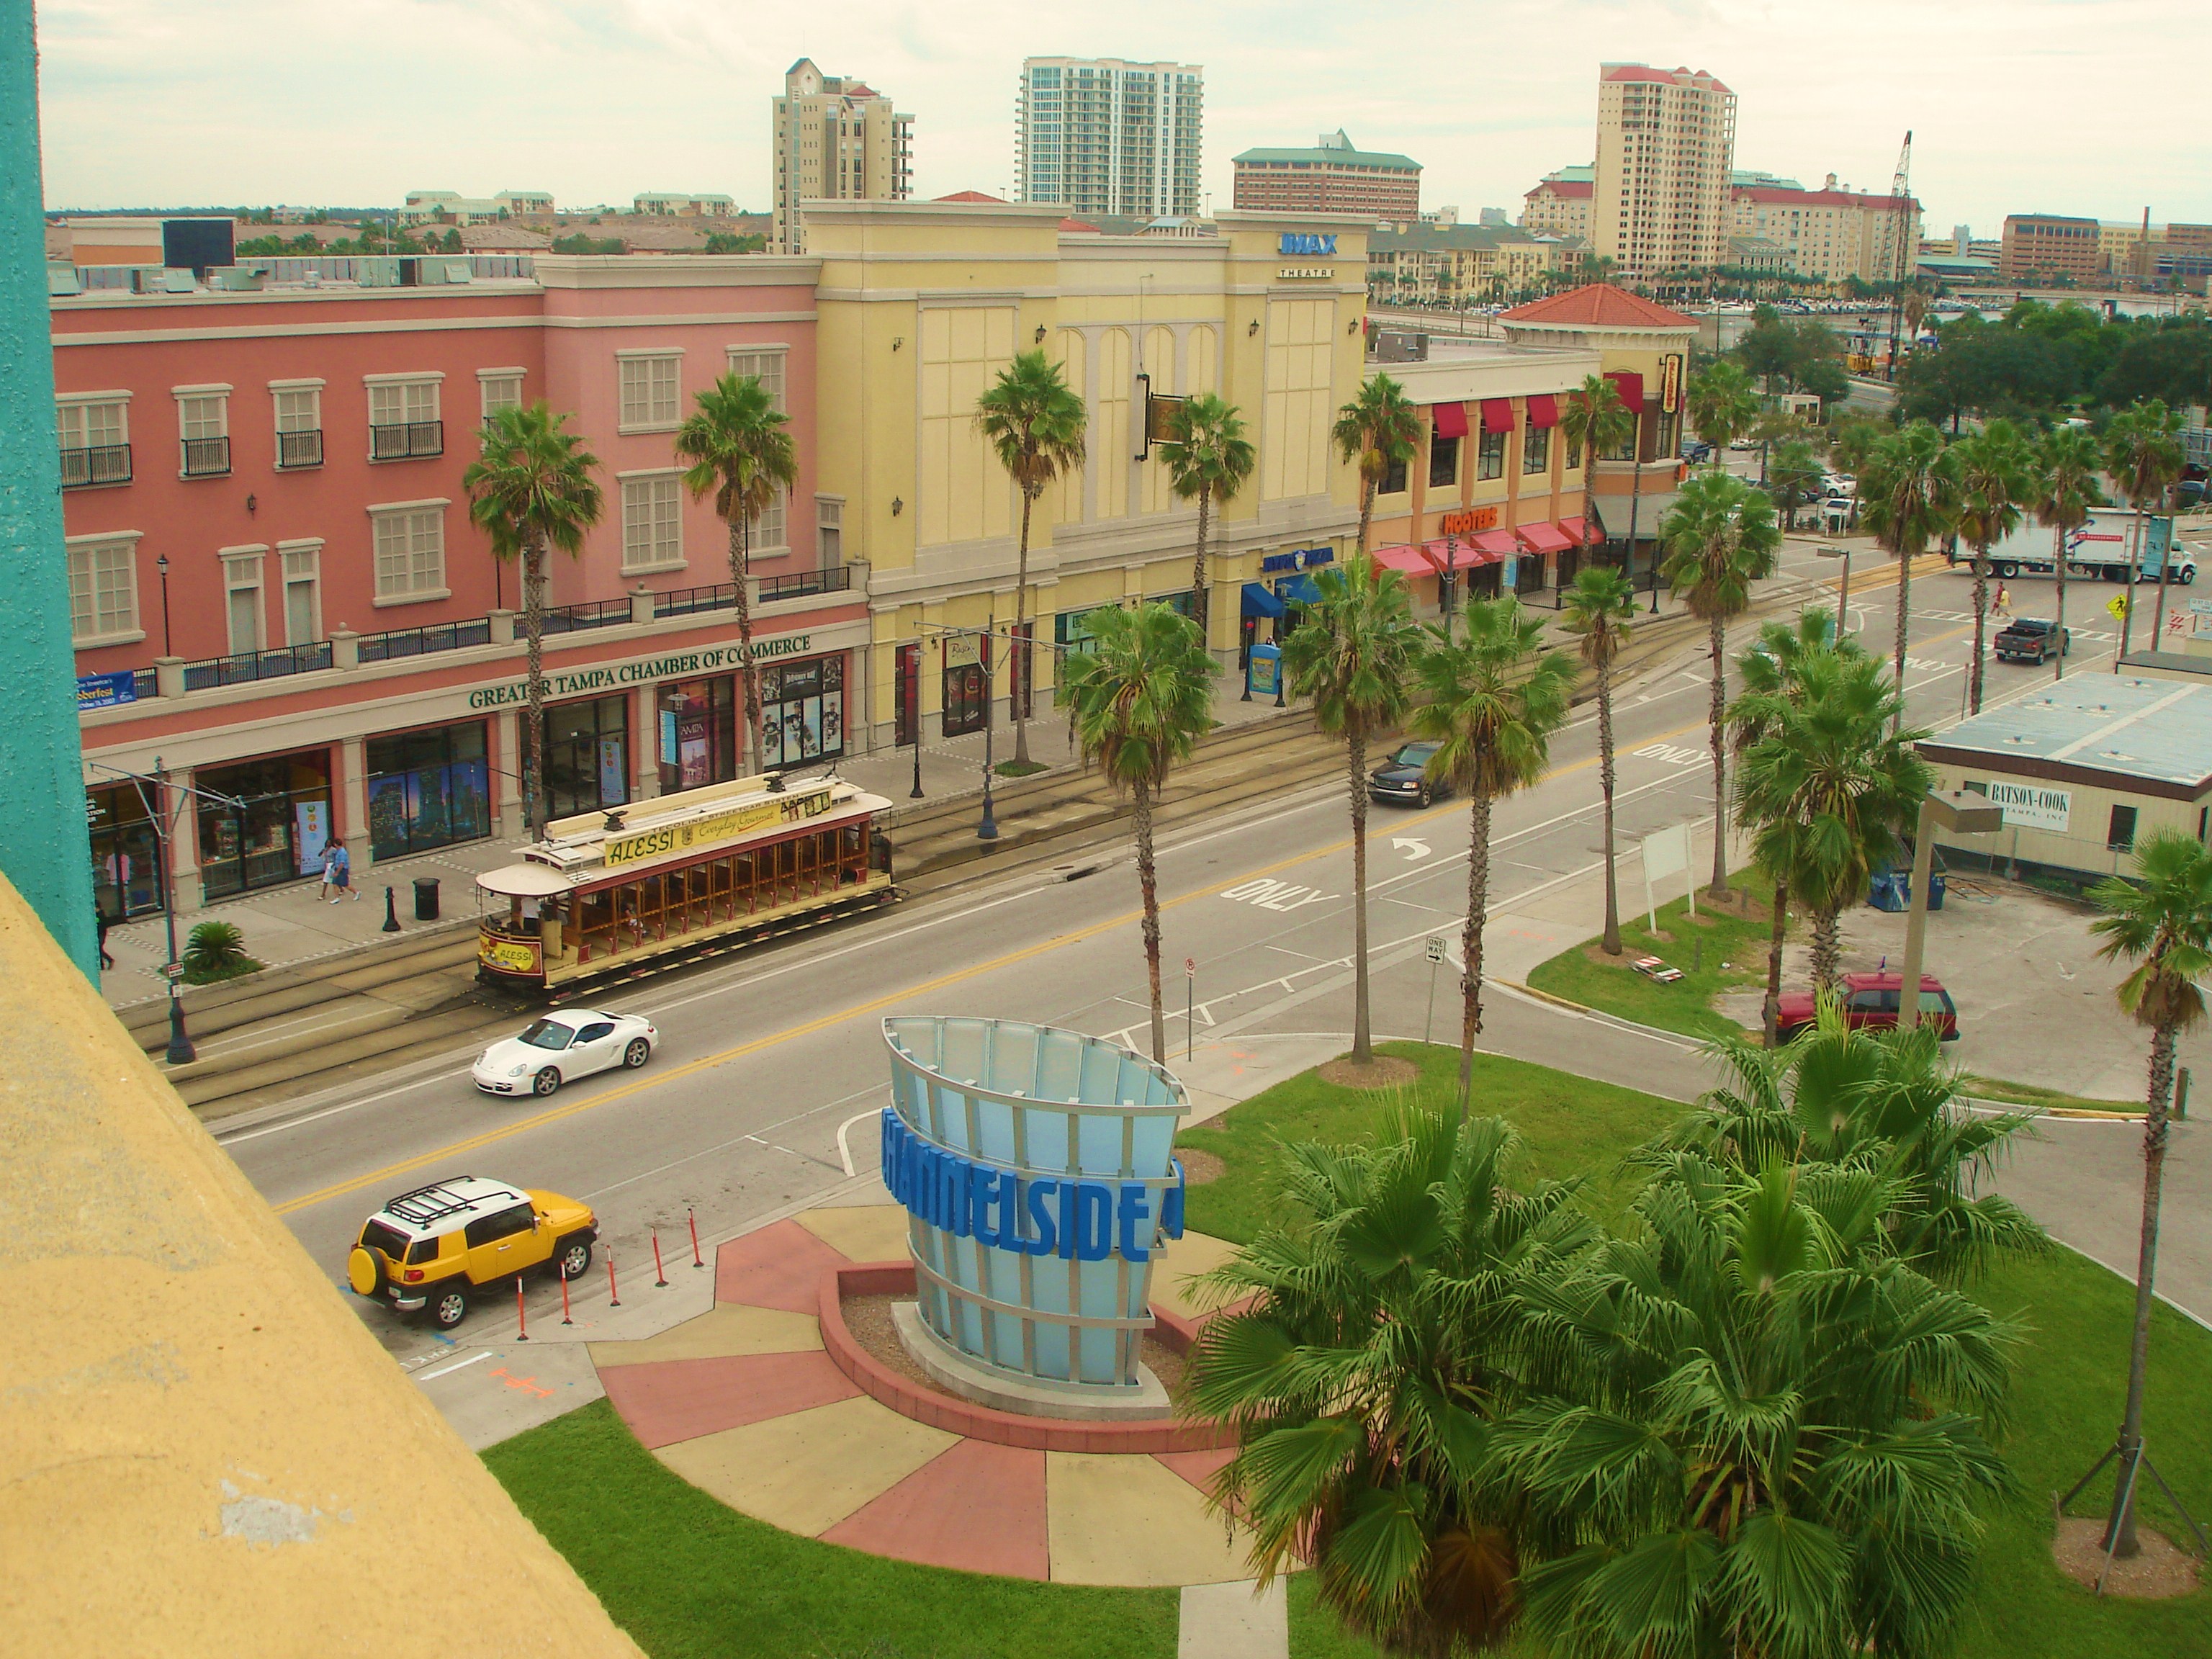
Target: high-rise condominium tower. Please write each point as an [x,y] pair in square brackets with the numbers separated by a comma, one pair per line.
[837,140]
[1104,136]
[1666,141]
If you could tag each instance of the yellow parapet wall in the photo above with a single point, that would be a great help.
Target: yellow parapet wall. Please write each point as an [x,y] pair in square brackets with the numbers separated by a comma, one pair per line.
[202,1450]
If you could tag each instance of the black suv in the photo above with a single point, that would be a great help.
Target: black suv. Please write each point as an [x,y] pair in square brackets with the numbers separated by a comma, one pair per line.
[1402,780]
[2032,640]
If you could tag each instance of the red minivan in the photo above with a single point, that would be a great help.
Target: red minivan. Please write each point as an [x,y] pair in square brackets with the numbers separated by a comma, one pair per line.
[1870,1001]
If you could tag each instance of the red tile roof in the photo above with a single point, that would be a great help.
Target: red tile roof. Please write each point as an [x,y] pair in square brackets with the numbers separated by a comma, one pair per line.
[1573,190]
[1769,196]
[1680,77]
[1598,305]
[1078,225]
[974,196]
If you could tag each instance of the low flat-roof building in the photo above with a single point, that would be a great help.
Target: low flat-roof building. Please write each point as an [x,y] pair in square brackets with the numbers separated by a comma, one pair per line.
[2084,771]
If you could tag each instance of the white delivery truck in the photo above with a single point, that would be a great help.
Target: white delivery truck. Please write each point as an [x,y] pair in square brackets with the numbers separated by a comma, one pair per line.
[2097,551]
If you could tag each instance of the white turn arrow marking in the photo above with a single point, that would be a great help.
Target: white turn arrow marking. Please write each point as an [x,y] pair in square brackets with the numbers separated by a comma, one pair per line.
[1416,848]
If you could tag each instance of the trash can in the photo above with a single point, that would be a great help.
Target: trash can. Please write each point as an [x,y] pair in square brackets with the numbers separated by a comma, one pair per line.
[426,898]
[1888,890]
[1936,886]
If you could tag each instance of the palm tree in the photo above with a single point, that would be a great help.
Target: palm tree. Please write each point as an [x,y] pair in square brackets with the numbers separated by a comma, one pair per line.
[1376,431]
[2065,488]
[1599,608]
[1995,478]
[1769,673]
[2161,921]
[1793,478]
[2143,454]
[531,490]
[1595,420]
[740,450]
[1138,702]
[1375,1338]
[1722,406]
[1208,459]
[1352,654]
[1720,537]
[1033,423]
[1490,703]
[1908,497]
[1827,789]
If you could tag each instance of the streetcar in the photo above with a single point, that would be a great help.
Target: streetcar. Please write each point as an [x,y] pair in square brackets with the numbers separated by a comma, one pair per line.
[644,886]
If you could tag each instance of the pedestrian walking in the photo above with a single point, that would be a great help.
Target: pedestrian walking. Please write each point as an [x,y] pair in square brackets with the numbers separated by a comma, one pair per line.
[338,872]
[2004,601]
[101,923]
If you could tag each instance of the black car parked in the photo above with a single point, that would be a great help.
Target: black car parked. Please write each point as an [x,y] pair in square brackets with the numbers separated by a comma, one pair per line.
[1402,779]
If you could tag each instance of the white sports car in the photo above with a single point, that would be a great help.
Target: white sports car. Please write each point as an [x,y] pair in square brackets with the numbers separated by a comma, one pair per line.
[560,1048]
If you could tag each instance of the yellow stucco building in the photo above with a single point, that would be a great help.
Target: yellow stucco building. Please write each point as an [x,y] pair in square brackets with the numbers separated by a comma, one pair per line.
[920,305]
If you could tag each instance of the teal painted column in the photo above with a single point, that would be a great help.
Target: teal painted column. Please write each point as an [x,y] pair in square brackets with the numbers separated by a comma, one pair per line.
[44,849]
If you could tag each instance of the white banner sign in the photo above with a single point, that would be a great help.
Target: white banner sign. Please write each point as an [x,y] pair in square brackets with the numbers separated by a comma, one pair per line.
[2028,807]
[1667,853]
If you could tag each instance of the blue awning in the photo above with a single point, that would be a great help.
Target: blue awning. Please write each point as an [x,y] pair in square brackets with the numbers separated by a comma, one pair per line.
[1259,602]
[1300,588]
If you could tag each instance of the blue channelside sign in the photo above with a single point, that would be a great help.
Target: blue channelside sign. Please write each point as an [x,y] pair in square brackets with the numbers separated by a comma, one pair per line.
[1304,558]
[1305,242]
[1077,1220]
[105,690]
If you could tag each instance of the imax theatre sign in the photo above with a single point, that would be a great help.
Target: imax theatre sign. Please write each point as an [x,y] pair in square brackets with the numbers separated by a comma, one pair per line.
[1306,244]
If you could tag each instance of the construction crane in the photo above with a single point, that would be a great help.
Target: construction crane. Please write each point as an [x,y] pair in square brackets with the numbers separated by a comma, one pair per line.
[1897,261]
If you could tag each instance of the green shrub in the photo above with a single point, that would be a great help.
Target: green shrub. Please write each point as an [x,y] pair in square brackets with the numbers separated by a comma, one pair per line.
[216,950]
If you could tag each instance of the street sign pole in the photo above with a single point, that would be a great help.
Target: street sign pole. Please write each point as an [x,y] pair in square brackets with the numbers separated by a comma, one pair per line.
[1435,955]
[1189,1007]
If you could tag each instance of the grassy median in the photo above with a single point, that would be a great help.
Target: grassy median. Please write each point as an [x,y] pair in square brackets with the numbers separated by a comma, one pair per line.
[1718,951]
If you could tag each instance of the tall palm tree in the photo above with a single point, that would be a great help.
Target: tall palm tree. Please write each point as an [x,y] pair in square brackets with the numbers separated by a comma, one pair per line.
[1909,497]
[1599,608]
[2065,488]
[531,490]
[1208,460]
[2161,921]
[1373,1337]
[1034,421]
[1595,420]
[1490,702]
[1769,673]
[2143,454]
[740,451]
[1720,537]
[1376,431]
[1722,406]
[1138,702]
[1352,653]
[1995,478]
[1830,788]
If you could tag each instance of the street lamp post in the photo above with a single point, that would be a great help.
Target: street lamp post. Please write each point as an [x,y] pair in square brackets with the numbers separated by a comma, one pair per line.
[180,1050]
[1963,812]
[1843,596]
[162,564]
[988,829]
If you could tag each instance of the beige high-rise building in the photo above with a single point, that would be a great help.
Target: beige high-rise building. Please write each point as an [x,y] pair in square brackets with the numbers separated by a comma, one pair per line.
[1666,141]
[837,140]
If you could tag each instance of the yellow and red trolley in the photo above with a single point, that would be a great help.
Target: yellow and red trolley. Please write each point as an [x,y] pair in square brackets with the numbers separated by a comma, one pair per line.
[659,881]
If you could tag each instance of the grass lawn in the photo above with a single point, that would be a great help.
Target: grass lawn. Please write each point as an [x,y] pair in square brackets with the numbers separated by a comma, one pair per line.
[689,1578]
[1698,948]
[2027,1094]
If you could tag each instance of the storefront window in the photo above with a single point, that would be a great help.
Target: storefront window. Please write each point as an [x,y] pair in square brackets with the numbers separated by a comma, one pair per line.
[276,832]
[1071,632]
[127,852]
[587,756]
[699,732]
[428,789]
[803,712]
[1178,603]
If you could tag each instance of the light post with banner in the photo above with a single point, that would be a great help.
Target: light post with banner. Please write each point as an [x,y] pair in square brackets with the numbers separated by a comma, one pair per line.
[1843,593]
[1670,403]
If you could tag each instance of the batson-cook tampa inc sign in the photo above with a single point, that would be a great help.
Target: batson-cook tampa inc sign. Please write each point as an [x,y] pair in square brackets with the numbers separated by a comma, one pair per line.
[1037,1170]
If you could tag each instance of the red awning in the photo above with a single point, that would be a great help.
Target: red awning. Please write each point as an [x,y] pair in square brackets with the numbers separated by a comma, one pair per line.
[1497,544]
[1406,560]
[1541,537]
[1457,553]
[1452,419]
[1498,415]
[1543,410]
[1630,384]
[1578,532]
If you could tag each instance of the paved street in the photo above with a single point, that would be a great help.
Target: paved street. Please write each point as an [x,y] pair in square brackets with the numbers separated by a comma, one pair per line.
[762,1096]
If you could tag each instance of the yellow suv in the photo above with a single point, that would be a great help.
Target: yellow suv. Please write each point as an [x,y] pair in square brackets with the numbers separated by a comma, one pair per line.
[430,1251]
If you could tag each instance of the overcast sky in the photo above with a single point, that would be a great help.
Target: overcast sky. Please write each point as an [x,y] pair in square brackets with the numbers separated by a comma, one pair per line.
[2080,107]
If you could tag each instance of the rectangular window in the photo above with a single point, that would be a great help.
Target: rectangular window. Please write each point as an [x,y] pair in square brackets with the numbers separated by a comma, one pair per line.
[404,422]
[241,594]
[2120,835]
[499,388]
[1490,461]
[103,583]
[1443,462]
[650,390]
[96,441]
[769,533]
[303,599]
[1536,450]
[652,523]
[830,531]
[299,425]
[766,366]
[1574,458]
[411,553]
[204,432]
[1394,480]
